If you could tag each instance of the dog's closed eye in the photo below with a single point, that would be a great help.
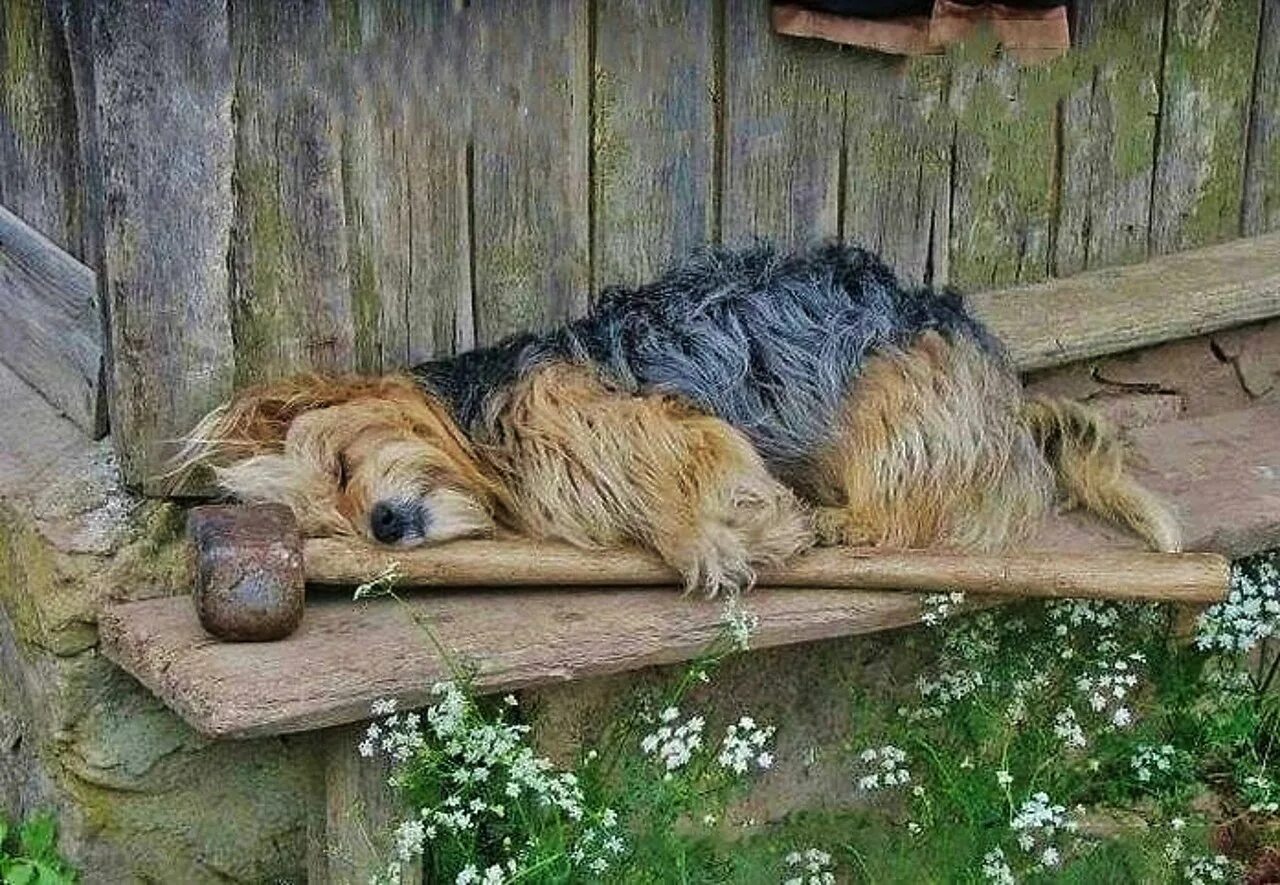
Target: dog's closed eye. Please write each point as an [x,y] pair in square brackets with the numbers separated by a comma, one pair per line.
[344,470]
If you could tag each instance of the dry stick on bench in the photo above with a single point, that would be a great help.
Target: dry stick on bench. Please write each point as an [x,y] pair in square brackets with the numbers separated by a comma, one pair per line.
[251,565]
[1182,577]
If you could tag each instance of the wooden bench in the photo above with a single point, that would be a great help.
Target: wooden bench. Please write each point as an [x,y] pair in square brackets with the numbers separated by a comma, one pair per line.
[1222,472]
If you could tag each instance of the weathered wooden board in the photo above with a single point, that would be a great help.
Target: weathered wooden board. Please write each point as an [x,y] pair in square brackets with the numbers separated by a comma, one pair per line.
[529,170]
[654,109]
[166,219]
[1114,309]
[1207,79]
[898,163]
[1108,135]
[41,179]
[519,563]
[291,283]
[50,325]
[360,815]
[438,307]
[783,132]
[1221,473]
[1005,173]
[1262,164]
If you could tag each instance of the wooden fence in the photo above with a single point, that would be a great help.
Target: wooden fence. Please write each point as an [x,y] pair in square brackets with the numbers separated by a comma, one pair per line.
[269,186]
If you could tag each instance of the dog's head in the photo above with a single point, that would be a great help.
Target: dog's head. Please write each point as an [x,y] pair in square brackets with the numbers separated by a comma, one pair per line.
[375,457]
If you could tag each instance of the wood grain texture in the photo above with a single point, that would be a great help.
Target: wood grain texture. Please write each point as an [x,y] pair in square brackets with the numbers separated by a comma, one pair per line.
[1262,166]
[1192,577]
[1207,78]
[1114,309]
[529,184]
[292,293]
[783,132]
[439,305]
[898,161]
[654,135]
[41,178]
[1108,135]
[166,220]
[1003,206]
[50,325]
[1222,473]
[360,815]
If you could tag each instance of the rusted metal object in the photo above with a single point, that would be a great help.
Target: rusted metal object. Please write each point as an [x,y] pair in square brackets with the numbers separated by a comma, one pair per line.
[250,585]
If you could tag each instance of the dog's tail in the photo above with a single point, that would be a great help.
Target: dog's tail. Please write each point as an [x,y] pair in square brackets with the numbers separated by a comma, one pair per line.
[1088,461]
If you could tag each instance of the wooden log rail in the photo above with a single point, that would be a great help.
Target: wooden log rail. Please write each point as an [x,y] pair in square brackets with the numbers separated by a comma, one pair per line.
[1121,574]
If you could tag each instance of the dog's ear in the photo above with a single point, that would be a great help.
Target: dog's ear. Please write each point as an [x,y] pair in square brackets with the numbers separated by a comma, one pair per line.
[256,420]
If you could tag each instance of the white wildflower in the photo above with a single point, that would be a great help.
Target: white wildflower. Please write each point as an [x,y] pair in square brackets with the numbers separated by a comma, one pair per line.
[996,868]
[888,768]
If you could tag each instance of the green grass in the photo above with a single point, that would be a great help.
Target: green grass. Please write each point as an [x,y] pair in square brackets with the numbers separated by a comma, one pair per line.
[1044,742]
[29,853]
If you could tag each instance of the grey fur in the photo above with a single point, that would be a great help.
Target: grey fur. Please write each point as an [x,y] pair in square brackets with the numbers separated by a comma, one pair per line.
[768,342]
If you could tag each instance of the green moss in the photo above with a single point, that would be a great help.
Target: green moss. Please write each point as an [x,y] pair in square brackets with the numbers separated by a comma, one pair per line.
[266,236]
[367,309]
[344,22]
[29,93]
[1206,65]
[511,300]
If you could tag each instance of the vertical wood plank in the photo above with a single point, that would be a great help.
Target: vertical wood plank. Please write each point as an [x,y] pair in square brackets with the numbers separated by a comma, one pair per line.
[1262,168]
[291,290]
[783,121]
[654,136]
[438,304]
[360,812]
[40,175]
[1108,135]
[529,167]
[898,148]
[1006,164]
[1197,190]
[164,88]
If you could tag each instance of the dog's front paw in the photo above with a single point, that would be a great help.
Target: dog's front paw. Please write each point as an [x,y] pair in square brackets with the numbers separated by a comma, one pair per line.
[836,527]
[712,563]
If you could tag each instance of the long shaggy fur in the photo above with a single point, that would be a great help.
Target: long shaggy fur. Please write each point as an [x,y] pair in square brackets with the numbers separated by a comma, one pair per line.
[739,408]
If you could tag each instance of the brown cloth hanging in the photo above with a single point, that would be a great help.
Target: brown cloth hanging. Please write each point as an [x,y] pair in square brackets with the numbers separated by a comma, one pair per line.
[1031,30]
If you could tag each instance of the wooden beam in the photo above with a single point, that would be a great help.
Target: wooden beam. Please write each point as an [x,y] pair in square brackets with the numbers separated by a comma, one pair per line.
[1222,473]
[1122,308]
[50,324]
[515,563]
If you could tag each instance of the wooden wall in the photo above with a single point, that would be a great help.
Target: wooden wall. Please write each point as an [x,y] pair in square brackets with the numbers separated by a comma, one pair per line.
[358,184]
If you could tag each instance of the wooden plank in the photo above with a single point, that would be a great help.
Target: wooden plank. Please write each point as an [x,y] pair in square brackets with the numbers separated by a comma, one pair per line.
[166,220]
[529,165]
[1004,201]
[898,156]
[50,326]
[783,132]
[291,293]
[1262,164]
[360,813]
[41,178]
[654,136]
[1207,78]
[1114,309]
[1108,135]
[1222,473]
[518,563]
[438,307]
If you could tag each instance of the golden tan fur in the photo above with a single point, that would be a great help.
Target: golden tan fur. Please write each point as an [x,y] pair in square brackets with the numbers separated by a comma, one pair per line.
[930,450]
[935,446]
[331,448]
[597,467]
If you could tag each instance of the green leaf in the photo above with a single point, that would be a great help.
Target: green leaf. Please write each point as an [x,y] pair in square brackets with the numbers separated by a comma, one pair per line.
[36,836]
[20,873]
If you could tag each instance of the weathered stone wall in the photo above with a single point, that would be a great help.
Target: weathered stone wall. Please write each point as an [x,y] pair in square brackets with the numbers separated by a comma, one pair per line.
[140,796]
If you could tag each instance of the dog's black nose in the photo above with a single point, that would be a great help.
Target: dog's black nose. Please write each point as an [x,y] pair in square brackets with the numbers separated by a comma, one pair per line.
[390,521]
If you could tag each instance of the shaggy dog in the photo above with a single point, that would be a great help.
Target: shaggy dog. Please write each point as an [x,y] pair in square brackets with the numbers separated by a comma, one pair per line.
[745,405]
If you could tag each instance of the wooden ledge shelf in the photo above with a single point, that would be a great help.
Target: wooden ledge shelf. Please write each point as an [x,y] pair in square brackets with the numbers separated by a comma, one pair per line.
[1223,474]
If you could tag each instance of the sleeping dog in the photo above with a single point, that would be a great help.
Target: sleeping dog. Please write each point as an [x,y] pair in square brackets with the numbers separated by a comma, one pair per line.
[745,405]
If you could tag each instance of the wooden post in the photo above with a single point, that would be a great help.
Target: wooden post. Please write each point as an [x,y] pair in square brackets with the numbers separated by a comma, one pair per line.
[359,816]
